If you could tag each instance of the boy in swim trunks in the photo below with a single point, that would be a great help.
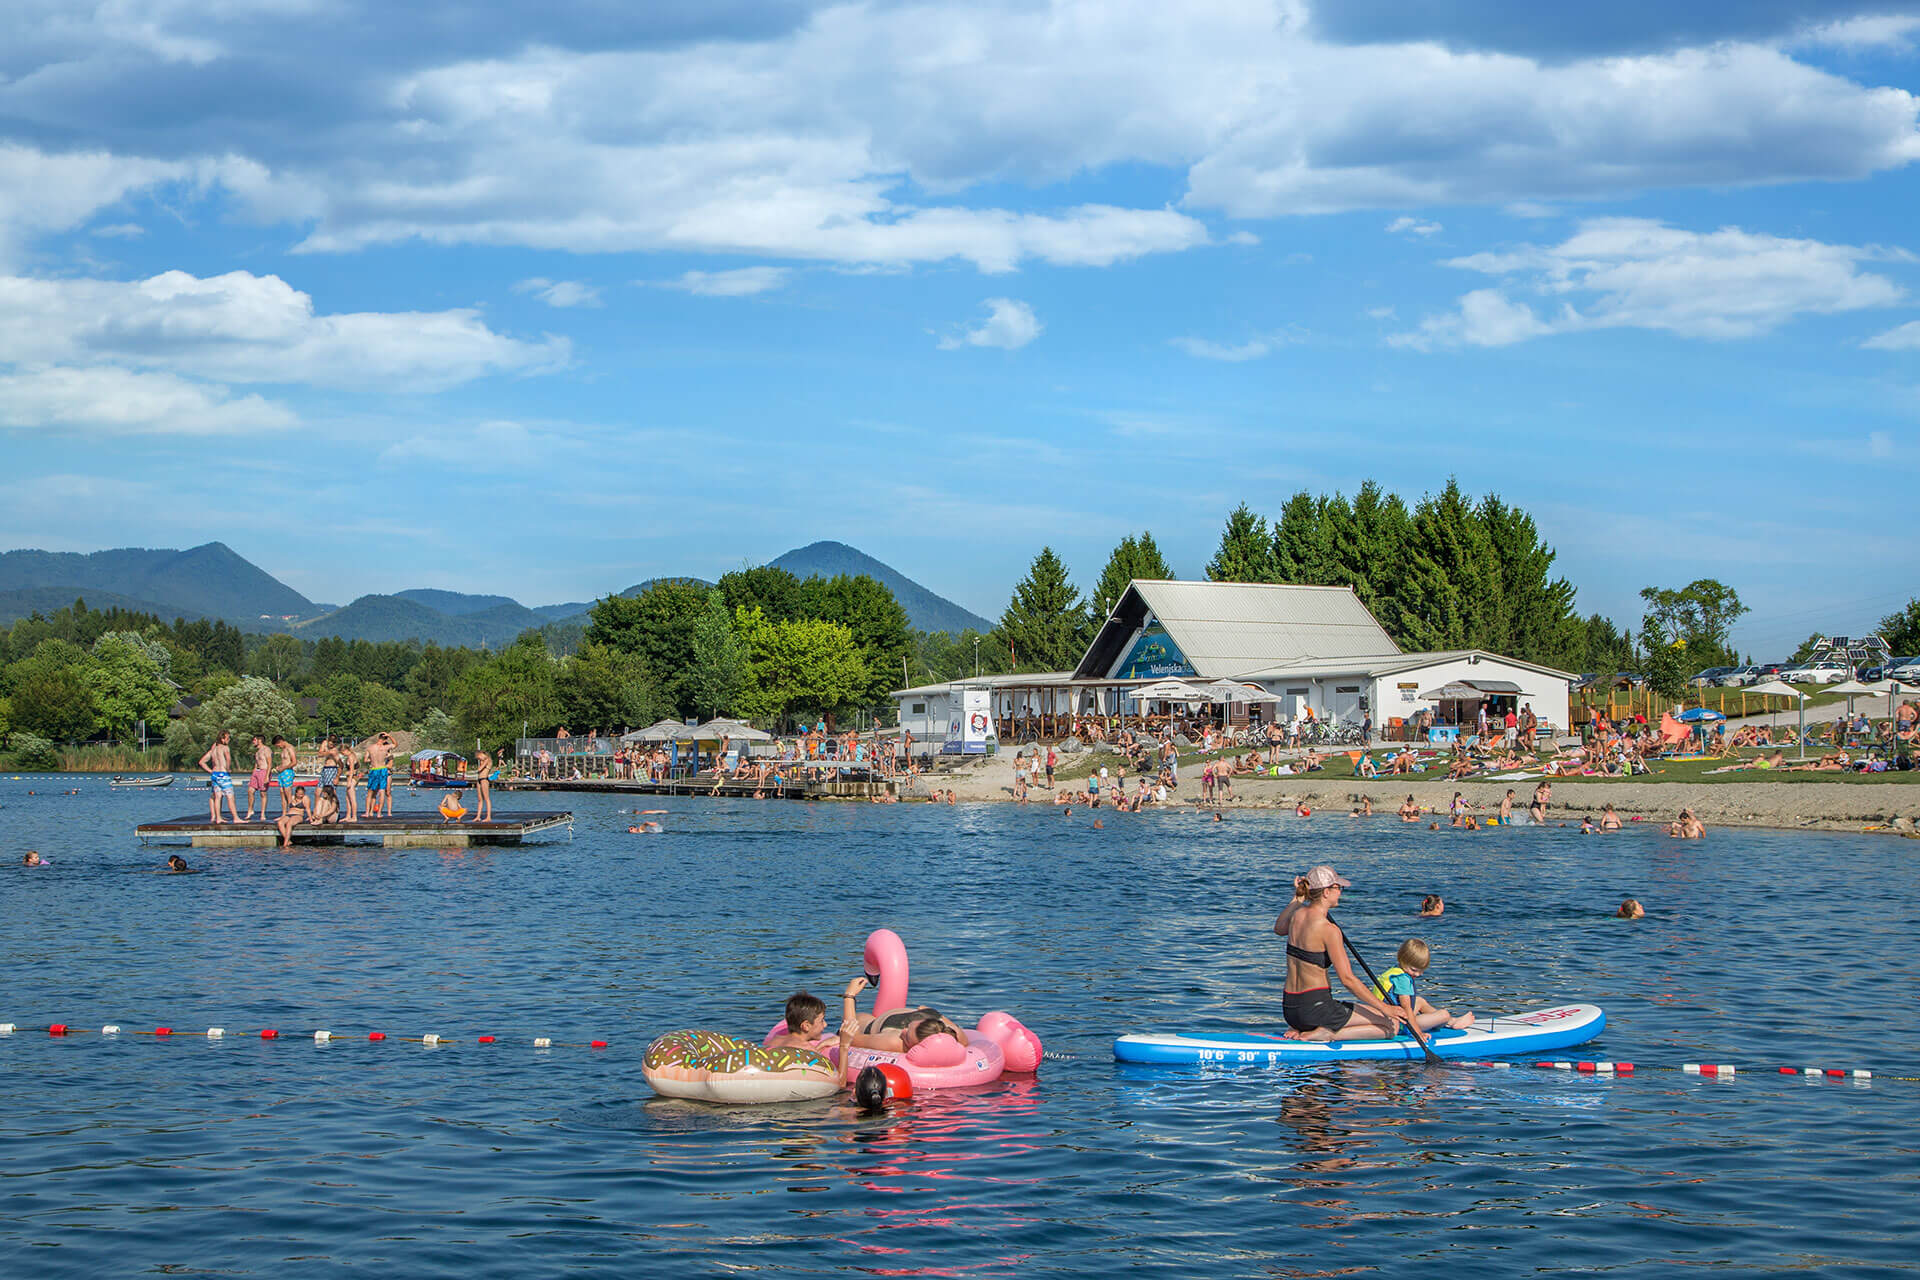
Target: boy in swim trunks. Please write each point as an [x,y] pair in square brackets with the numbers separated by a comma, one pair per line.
[218,762]
[288,759]
[806,1022]
[1396,987]
[261,777]
[379,777]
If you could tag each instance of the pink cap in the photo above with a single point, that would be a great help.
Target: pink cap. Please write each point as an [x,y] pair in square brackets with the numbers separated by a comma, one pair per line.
[1326,878]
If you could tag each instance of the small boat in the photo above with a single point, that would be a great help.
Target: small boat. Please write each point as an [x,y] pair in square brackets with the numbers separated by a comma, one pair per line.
[165,780]
[1495,1037]
[445,769]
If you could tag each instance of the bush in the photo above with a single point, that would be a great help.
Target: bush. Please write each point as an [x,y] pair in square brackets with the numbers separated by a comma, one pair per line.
[31,751]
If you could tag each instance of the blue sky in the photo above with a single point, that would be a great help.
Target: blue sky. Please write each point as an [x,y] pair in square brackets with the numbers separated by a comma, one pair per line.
[546,299]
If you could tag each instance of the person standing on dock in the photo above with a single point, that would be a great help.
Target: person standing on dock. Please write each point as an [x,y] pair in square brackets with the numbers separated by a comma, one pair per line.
[218,762]
[483,776]
[349,760]
[261,778]
[379,775]
[287,760]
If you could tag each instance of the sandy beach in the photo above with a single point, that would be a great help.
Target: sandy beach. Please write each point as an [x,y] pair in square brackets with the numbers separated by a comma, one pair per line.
[1813,806]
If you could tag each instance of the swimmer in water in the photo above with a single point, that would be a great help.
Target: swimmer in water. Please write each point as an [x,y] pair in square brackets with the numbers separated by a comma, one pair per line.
[1586,826]
[1630,909]
[645,829]
[1365,810]
[1432,905]
[177,863]
[33,859]
[1410,811]
[1219,816]
[1099,824]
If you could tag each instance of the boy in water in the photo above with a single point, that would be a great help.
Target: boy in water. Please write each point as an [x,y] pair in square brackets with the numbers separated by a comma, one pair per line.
[806,1022]
[1397,988]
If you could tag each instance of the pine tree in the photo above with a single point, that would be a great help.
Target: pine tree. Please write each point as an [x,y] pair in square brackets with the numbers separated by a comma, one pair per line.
[1302,548]
[1133,558]
[1534,619]
[1246,550]
[1045,625]
[1447,576]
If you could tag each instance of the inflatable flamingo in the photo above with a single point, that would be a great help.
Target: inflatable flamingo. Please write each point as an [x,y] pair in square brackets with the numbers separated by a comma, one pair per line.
[999,1044]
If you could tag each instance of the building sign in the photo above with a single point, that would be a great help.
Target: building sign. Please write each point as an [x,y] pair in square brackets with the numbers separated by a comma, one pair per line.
[970,726]
[1153,656]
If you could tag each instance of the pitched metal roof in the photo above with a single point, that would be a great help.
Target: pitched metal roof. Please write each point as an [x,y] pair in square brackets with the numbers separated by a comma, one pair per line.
[1388,664]
[1227,628]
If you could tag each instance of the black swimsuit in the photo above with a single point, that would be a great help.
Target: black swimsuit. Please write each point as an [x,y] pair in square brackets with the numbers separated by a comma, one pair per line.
[1314,1009]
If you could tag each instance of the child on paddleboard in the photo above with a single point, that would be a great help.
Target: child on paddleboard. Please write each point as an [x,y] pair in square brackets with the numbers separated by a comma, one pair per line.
[1397,988]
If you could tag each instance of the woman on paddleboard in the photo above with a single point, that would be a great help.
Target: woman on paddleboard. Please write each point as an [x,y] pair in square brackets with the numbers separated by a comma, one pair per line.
[1316,946]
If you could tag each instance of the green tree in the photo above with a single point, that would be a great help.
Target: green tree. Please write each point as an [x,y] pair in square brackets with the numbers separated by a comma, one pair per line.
[1447,578]
[1667,659]
[657,625]
[805,667]
[279,658]
[1371,546]
[429,680]
[868,609]
[1534,618]
[1246,550]
[719,659]
[1135,558]
[1303,549]
[329,659]
[250,705]
[516,689]
[31,751]
[777,592]
[1701,614]
[1044,627]
[51,693]
[1901,630]
[602,688]
[437,731]
[128,684]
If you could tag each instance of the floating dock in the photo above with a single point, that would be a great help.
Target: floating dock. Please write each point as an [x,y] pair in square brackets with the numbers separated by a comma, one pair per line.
[401,831]
[791,789]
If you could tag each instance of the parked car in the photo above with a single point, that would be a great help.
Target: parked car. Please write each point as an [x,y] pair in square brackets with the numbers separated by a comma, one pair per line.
[1817,673]
[1711,675]
[1767,671]
[1905,670]
[1736,677]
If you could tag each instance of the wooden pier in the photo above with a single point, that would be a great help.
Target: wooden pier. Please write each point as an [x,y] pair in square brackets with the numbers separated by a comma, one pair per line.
[401,831]
[792,789]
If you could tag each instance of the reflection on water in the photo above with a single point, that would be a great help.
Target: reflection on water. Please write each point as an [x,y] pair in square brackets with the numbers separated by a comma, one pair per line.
[236,1156]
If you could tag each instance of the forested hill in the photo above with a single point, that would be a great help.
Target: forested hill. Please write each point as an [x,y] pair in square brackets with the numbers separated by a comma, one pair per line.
[925,610]
[207,581]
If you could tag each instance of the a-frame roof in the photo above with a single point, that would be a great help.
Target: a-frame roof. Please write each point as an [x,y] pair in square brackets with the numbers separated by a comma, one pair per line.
[1226,628]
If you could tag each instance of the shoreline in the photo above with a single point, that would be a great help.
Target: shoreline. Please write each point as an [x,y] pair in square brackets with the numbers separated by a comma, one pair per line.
[1803,806]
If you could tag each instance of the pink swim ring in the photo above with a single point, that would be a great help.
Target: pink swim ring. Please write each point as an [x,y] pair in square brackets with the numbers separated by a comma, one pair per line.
[998,1045]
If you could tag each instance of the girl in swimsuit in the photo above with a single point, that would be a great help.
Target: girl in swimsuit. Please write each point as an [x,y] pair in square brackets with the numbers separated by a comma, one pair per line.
[1315,945]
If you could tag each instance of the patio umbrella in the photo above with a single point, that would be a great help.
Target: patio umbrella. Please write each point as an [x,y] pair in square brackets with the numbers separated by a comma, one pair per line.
[1454,689]
[1233,691]
[738,730]
[1781,689]
[1852,689]
[1699,718]
[1170,691]
[661,731]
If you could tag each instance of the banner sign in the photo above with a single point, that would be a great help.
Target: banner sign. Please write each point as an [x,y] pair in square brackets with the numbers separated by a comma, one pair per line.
[970,725]
[1153,656]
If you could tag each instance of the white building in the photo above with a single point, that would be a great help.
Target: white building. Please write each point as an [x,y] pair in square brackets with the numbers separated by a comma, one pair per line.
[1310,647]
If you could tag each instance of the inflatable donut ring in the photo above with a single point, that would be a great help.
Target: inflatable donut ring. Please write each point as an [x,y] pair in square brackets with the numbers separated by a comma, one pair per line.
[714,1067]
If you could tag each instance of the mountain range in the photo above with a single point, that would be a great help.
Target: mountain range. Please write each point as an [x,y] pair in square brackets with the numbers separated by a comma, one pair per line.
[214,581]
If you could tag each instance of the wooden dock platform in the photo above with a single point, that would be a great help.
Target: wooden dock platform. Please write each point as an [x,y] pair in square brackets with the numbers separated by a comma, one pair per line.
[401,831]
[794,789]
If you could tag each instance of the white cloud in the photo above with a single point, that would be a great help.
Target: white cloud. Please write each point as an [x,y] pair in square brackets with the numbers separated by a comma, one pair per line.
[43,192]
[121,231]
[1235,353]
[1412,226]
[1532,209]
[739,283]
[1380,313]
[123,402]
[1904,338]
[497,445]
[1009,324]
[560,293]
[1639,273]
[240,327]
[1879,444]
[1877,33]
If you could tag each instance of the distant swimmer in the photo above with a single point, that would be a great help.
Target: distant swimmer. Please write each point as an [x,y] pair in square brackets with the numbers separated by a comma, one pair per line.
[32,858]
[1688,827]
[1609,820]
[1586,827]
[1365,810]
[1630,909]
[177,863]
[1410,811]
[1432,905]
[646,829]
[1099,824]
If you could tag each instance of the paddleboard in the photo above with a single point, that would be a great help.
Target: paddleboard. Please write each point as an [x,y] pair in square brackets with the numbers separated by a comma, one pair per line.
[1490,1037]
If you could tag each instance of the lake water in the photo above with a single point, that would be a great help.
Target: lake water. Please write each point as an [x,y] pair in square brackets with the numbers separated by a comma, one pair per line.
[239,1157]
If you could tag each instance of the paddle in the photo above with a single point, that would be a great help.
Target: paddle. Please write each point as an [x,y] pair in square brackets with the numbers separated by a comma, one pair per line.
[1413,1025]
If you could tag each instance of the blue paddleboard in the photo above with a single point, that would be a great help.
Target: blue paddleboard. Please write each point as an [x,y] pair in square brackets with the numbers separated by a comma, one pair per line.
[1498,1037]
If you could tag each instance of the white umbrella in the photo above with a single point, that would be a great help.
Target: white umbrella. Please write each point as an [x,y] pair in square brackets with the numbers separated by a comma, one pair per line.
[738,730]
[1233,691]
[1781,689]
[1169,691]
